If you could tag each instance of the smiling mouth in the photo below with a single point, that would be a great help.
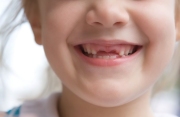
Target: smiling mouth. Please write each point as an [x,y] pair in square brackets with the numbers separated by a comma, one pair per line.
[108,52]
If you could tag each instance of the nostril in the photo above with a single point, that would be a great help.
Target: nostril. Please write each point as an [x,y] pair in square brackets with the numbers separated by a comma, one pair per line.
[97,23]
[118,23]
[100,24]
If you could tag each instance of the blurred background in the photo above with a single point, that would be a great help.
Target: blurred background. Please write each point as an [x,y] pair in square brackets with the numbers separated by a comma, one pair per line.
[25,73]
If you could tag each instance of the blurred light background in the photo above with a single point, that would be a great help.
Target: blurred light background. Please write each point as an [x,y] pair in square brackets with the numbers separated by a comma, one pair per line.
[26,78]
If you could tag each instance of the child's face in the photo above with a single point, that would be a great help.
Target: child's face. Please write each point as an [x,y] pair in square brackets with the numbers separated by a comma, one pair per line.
[111,29]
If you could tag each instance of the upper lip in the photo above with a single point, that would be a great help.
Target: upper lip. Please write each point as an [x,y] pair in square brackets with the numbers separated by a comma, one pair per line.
[106,42]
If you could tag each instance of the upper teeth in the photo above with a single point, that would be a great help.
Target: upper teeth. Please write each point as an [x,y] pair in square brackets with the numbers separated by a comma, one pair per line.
[122,50]
[93,51]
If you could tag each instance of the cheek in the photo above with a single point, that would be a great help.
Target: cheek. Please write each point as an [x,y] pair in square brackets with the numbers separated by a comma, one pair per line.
[157,23]
[58,22]
[60,18]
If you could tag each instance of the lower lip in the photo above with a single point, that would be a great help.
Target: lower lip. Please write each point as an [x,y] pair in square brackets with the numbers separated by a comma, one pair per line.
[107,62]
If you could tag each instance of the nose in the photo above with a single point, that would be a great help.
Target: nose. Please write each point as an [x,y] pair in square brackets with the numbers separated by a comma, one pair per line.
[107,14]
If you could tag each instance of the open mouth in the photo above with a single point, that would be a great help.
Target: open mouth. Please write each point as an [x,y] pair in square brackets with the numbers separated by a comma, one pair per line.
[108,51]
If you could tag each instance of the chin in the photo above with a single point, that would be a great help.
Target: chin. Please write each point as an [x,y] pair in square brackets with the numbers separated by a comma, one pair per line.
[110,97]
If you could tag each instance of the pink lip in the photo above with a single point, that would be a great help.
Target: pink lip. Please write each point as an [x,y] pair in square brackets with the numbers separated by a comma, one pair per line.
[105,42]
[106,62]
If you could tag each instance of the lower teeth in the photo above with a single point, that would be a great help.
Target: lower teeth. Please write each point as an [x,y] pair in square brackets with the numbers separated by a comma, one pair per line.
[104,57]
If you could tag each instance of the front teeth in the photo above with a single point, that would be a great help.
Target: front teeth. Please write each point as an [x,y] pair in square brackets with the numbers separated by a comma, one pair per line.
[131,50]
[124,51]
[121,53]
[94,52]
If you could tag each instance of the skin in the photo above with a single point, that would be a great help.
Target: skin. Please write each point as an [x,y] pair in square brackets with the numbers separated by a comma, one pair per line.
[122,90]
